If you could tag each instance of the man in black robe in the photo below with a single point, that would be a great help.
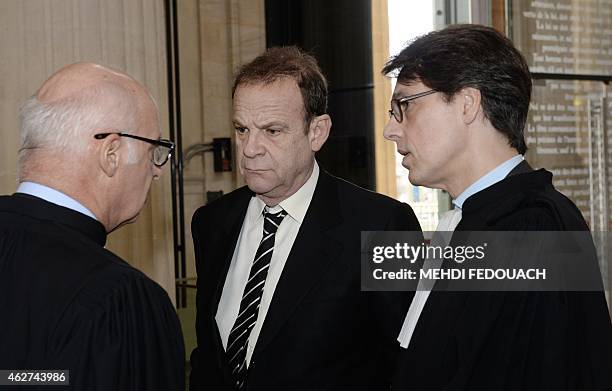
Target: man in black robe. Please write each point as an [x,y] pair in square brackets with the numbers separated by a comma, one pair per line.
[90,149]
[457,117]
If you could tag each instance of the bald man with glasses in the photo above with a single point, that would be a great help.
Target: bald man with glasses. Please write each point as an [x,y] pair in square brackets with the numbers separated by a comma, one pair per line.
[90,148]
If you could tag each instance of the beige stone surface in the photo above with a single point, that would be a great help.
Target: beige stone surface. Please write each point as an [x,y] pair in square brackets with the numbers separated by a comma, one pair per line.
[384,149]
[215,38]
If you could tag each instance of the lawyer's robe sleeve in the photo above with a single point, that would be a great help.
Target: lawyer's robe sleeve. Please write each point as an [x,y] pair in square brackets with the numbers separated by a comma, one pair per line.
[120,333]
[538,340]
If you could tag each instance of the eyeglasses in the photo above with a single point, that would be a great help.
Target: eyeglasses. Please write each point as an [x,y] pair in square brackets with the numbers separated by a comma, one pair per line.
[161,153]
[396,104]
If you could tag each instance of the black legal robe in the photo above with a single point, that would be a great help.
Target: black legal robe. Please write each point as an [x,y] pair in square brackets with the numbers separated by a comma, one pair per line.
[512,340]
[68,303]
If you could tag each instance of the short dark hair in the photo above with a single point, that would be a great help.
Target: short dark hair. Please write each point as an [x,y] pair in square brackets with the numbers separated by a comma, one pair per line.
[288,62]
[468,55]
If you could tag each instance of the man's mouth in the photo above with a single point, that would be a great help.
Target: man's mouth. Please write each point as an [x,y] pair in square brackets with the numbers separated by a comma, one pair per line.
[254,170]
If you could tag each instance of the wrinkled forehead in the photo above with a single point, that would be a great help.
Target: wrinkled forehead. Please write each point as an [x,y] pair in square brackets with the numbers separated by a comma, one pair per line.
[281,95]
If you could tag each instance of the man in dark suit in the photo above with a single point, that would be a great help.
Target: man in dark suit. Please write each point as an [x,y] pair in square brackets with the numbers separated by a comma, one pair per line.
[279,305]
[457,116]
[90,149]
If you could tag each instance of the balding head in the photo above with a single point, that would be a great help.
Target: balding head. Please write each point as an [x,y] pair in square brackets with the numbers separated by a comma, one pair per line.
[59,122]
[75,102]
[73,79]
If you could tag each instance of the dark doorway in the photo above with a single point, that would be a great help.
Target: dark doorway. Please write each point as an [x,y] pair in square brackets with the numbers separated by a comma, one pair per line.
[338,34]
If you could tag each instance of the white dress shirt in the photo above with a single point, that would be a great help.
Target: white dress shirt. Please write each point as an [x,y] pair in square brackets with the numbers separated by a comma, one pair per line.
[53,196]
[448,222]
[251,234]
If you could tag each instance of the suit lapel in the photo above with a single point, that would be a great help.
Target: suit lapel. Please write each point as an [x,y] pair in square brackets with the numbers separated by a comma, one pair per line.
[225,251]
[313,251]
[229,241]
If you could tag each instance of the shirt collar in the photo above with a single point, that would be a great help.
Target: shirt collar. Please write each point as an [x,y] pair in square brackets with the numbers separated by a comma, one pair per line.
[297,204]
[489,179]
[53,196]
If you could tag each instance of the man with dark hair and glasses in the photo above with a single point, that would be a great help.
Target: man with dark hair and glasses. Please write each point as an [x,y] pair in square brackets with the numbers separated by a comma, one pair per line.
[90,148]
[457,116]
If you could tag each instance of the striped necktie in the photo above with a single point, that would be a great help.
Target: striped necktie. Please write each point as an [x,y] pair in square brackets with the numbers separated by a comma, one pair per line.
[238,339]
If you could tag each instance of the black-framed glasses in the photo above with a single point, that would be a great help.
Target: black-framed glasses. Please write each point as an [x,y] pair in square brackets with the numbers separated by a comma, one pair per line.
[161,153]
[397,104]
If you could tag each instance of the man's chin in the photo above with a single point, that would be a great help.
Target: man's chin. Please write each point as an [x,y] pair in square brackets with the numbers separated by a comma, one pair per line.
[414,179]
[259,186]
[256,179]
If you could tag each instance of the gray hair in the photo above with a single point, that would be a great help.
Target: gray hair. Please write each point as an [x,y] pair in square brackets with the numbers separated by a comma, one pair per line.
[66,124]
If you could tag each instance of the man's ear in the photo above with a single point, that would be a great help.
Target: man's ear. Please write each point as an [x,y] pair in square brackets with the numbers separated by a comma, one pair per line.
[108,154]
[319,131]
[470,99]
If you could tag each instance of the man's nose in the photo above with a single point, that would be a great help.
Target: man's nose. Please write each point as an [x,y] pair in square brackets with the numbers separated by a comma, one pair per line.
[252,145]
[392,130]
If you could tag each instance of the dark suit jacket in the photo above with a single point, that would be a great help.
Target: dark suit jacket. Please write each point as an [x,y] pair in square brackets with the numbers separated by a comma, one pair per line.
[321,332]
[511,340]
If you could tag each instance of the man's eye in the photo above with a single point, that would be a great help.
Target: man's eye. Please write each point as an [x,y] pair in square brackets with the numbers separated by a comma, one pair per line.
[272,132]
[240,129]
